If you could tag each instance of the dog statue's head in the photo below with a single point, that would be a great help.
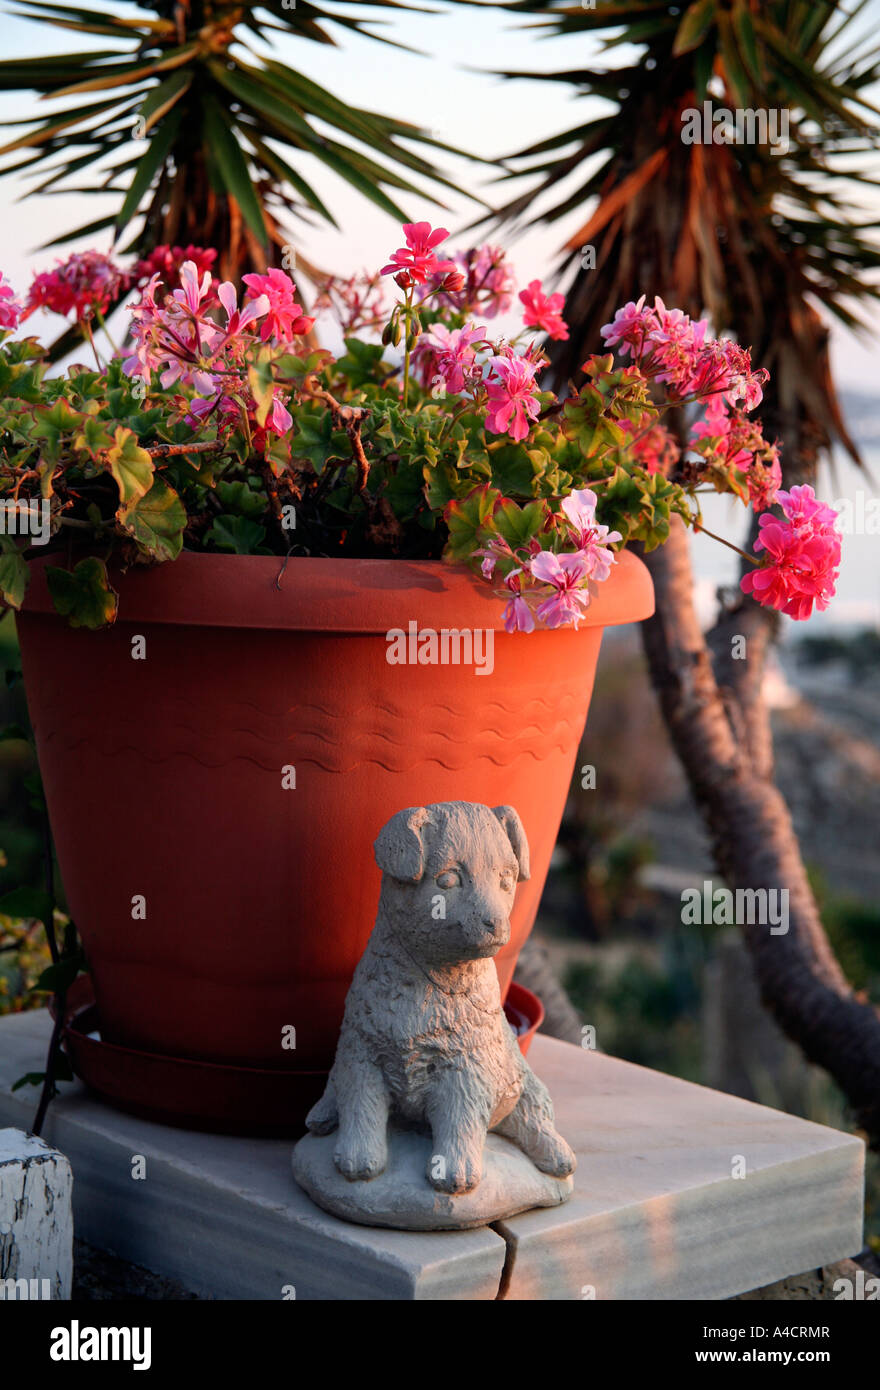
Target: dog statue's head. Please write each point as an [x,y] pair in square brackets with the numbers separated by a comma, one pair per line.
[449,874]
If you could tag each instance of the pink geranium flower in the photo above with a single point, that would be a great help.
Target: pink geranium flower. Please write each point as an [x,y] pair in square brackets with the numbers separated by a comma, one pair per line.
[593,542]
[804,510]
[238,319]
[166,262]
[10,308]
[517,615]
[453,355]
[568,574]
[491,280]
[285,319]
[512,402]
[83,284]
[630,327]
[417,258]
[801,555]
[544,311]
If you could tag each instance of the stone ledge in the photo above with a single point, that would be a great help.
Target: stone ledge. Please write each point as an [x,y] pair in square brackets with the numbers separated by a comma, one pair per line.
[655,1213]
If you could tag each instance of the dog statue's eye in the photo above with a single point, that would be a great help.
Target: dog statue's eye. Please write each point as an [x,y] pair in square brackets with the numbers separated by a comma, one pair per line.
[508,881]
[450,879]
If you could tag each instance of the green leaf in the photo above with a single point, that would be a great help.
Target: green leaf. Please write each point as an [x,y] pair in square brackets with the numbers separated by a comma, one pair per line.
[261,380]
[519,524]
[232,165]
[697,21]
[151,162]
[361,363]
[745,34]
[52,424]
[516,468]
[94,438]
[131,466]
[240,499]
[236,534]
[164,95]
[13,573]
[83,595]
[30,1078]
[27,903]
[61,1071]
[466,517]
[156,520]
[313,437]
[57,978]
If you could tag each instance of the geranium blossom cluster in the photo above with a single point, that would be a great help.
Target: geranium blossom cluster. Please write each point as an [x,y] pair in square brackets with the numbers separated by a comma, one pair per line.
[800,555]
[500,380]
[674,349]
[168,261]
[87,283]
[726,438]
[651,443]
[417,262]
[10,308]
[180,337]
[358,302]
[464,359]
[489,283]
[232,366]
[554,586]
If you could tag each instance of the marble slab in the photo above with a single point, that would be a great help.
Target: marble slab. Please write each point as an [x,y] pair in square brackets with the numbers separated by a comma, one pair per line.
[681,1192]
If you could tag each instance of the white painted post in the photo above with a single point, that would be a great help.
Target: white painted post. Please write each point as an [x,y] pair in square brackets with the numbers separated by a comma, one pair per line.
[36,1219]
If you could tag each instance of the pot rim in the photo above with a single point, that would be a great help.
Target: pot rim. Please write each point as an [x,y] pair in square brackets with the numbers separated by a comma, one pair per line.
[332,594]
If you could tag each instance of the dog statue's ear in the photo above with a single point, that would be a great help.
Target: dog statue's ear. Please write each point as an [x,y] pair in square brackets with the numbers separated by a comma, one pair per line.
[399,849]
[512,824]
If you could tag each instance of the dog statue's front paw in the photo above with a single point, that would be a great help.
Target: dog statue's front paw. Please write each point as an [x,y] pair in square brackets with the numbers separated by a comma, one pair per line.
[555,1157]
[359,1164]
[459,1174]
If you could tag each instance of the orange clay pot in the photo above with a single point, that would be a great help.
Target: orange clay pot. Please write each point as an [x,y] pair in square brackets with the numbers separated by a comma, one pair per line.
[165,778]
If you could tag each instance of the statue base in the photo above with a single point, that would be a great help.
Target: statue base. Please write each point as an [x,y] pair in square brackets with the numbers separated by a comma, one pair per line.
[403,1198]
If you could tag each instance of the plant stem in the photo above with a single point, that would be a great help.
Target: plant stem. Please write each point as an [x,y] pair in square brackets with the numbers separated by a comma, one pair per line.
[107,334]
[406,313]
[89,336]
[698,526]
[48,1090]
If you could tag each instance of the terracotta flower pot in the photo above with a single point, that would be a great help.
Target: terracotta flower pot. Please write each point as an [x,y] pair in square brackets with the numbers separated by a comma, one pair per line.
[170,777]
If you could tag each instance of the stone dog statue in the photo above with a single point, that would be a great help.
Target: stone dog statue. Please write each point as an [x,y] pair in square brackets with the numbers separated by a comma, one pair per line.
[424,1040]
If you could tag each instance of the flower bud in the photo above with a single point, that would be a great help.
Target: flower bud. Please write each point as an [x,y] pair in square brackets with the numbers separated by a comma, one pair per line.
[454,282]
